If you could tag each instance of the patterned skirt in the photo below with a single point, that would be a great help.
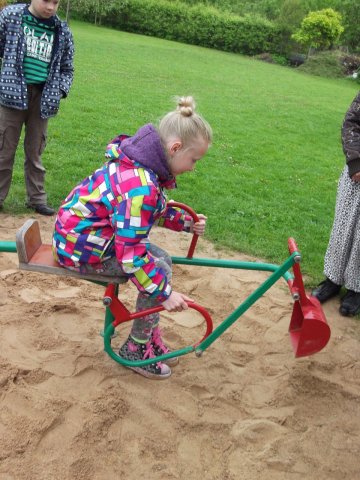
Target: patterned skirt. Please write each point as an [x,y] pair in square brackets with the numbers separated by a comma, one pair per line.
[342,258]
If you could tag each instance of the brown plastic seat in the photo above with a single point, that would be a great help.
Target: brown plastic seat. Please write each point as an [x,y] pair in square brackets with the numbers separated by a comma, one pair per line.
[38,257]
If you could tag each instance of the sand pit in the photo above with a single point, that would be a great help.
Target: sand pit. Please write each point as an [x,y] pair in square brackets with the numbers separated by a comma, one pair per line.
[247,409]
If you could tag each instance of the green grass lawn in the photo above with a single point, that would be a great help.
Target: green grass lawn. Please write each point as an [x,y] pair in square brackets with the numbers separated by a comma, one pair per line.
[273,167]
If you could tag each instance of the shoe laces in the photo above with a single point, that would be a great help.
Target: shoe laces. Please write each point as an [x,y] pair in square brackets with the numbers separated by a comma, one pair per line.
[149,352]
[157,340]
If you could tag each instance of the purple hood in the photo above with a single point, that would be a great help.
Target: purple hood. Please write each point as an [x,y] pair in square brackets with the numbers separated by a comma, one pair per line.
[146,148]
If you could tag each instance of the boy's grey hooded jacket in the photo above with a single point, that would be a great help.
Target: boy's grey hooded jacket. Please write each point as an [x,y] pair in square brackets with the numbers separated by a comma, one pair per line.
[13,88]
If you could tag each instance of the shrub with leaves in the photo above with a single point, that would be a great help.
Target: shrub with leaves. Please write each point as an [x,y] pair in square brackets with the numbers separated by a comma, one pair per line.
[173,20]
[321,29]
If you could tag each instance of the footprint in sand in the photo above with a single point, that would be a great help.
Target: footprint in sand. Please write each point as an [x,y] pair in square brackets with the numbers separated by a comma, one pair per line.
[240,358]
[256,434]
[201,392]
[188,318]
[35,294]
[3,296]
[4,274]
[65,291]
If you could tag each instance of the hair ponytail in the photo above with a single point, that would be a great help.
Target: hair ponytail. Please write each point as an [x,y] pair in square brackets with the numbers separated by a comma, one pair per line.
[184,123]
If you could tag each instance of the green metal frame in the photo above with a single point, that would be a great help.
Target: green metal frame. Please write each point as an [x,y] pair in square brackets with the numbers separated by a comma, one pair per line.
[8,247]
[277,272]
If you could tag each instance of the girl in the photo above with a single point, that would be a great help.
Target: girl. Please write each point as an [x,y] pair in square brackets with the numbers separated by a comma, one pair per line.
[104,223]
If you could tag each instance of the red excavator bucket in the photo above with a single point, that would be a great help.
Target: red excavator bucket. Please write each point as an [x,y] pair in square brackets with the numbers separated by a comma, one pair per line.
[309,331]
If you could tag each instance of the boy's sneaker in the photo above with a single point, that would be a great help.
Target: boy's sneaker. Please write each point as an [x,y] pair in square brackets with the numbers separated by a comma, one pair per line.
[326,290]
[134,351]
[160,348]
[350,304]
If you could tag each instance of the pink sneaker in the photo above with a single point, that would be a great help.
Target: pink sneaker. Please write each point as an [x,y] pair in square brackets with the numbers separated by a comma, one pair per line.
[133,351]
[160,348]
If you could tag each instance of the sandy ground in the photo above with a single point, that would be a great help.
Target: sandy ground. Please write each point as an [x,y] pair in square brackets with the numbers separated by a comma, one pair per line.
[247,409]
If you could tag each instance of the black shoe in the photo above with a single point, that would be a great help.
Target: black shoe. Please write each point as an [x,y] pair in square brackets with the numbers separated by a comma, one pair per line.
[326,290]
[42,209]
[350,304]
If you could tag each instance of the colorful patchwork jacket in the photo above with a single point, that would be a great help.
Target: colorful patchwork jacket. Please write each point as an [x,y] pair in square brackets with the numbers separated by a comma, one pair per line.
[13,91]
[112,212]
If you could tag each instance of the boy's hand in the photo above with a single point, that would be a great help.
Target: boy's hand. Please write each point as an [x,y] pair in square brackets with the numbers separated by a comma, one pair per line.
[199,227]
[176,302]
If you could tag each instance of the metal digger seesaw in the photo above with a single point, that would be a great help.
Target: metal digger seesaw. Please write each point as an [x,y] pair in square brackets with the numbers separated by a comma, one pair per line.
[308,330]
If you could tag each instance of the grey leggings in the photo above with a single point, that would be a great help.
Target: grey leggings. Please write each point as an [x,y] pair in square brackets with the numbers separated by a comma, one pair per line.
[142,327]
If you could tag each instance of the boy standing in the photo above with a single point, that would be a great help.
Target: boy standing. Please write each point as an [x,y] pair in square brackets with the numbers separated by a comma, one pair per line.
[37,52]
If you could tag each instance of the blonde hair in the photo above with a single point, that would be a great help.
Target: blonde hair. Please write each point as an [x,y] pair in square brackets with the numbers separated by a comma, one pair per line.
[184,123]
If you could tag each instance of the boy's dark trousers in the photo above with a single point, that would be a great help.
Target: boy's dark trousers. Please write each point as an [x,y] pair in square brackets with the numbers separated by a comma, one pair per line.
[11,123]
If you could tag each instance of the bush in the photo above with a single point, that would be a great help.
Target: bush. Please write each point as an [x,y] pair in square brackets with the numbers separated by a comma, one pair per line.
[273,58]
[321,29]
[280,59]
[199,24]
[296,59]
[331,64]
[350,63]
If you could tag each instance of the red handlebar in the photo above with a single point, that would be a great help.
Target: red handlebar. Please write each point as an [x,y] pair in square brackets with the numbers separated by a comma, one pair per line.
[122,314]
[192,213]
[292,246]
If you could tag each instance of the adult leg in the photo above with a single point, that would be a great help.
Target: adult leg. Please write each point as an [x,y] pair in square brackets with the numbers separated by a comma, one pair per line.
[352,269]
[11,122]
[350,303]
[341,263]
[34,145]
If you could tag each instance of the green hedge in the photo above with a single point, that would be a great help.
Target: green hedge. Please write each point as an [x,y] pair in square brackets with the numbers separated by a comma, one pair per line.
[197,25]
